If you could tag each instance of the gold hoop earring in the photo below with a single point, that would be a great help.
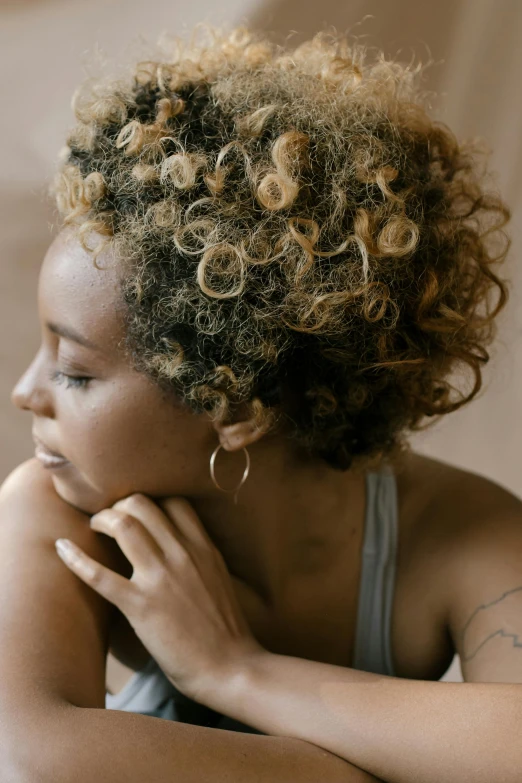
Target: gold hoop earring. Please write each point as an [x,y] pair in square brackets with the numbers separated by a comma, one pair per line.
[243,478]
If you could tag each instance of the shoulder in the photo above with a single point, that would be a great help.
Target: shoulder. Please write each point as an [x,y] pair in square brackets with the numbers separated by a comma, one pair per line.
[28,499]
[452,504]
[31,508]
[468,538]
[28,473]
[30,504]
[61,644]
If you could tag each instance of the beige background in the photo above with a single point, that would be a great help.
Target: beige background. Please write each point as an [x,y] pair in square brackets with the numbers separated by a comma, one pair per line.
[474,45]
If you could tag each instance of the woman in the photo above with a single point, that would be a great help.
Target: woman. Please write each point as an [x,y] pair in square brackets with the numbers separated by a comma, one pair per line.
[269,265]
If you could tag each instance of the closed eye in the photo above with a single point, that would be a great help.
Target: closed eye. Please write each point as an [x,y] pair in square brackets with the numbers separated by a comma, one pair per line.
[78,381]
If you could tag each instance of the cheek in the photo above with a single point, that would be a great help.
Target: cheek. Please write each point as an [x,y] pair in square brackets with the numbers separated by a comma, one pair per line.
[110,447]
[131,444]
[96,453]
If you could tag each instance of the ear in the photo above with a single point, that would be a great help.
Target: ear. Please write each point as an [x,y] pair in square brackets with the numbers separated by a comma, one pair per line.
[238,434]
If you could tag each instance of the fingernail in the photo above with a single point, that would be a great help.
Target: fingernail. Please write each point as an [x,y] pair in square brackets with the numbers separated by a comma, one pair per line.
[64,547]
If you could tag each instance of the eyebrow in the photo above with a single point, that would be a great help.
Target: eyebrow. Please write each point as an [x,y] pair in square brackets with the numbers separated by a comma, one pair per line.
[71,334]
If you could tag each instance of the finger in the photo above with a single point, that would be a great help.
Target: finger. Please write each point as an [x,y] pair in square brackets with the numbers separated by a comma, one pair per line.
[184,517]
[158,524]
[134,540]
[107,583]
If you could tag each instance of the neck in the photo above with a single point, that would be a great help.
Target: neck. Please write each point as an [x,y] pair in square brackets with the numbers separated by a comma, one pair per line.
[292,517]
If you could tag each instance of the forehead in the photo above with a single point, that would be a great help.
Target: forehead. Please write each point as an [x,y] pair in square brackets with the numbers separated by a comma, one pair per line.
[73,292]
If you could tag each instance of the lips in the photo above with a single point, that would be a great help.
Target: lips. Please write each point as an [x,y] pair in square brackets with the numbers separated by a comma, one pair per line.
[41,446]
[48,458]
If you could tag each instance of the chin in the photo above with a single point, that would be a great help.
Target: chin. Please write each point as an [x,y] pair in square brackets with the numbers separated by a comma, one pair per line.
[80,495]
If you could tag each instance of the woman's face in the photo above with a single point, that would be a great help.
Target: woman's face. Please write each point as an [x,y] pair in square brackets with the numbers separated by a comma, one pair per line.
[119,431]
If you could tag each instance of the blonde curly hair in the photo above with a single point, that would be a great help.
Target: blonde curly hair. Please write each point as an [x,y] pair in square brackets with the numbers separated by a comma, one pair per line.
[297,235]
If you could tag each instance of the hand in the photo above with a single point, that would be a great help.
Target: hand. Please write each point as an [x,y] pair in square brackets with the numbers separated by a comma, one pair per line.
[180,599]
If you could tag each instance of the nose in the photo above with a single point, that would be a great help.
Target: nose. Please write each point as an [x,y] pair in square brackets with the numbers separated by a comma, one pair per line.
[29,394]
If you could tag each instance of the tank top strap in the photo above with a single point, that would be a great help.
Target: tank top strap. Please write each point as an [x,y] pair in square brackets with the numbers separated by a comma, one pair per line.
[372,651]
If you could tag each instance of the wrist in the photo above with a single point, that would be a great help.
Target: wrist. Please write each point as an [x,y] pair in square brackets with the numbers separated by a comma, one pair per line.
[225,691]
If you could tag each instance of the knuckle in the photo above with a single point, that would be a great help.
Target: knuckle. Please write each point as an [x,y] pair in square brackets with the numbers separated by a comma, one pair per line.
[156,578]
[138,500]
[182,557]
[96,574]
[123,522]
[140,604]
[134,502]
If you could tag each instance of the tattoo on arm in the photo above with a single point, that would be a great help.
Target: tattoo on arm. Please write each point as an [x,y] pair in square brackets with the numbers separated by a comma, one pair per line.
[473,639]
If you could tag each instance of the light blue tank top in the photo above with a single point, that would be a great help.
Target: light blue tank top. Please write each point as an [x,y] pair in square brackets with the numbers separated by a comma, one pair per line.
[149,692]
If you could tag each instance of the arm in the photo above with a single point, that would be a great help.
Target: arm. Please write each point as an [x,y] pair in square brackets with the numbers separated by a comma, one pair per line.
[53,632]
[112,746]
[410,731]
[54,640]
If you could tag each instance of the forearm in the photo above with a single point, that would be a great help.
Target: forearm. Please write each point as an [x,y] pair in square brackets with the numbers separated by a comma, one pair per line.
[402,731]
[112,746]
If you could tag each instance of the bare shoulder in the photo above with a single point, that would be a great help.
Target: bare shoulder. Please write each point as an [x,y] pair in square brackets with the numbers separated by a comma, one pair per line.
[29,502]
[23,476]
[452,518]
[28,499]
[57,627]
[444,500]
[452,523]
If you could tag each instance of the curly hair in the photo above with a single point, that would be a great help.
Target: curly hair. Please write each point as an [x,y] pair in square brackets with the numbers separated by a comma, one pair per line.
[297,234]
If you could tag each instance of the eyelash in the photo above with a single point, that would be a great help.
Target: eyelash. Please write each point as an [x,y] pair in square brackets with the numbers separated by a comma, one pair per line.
[76,381]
